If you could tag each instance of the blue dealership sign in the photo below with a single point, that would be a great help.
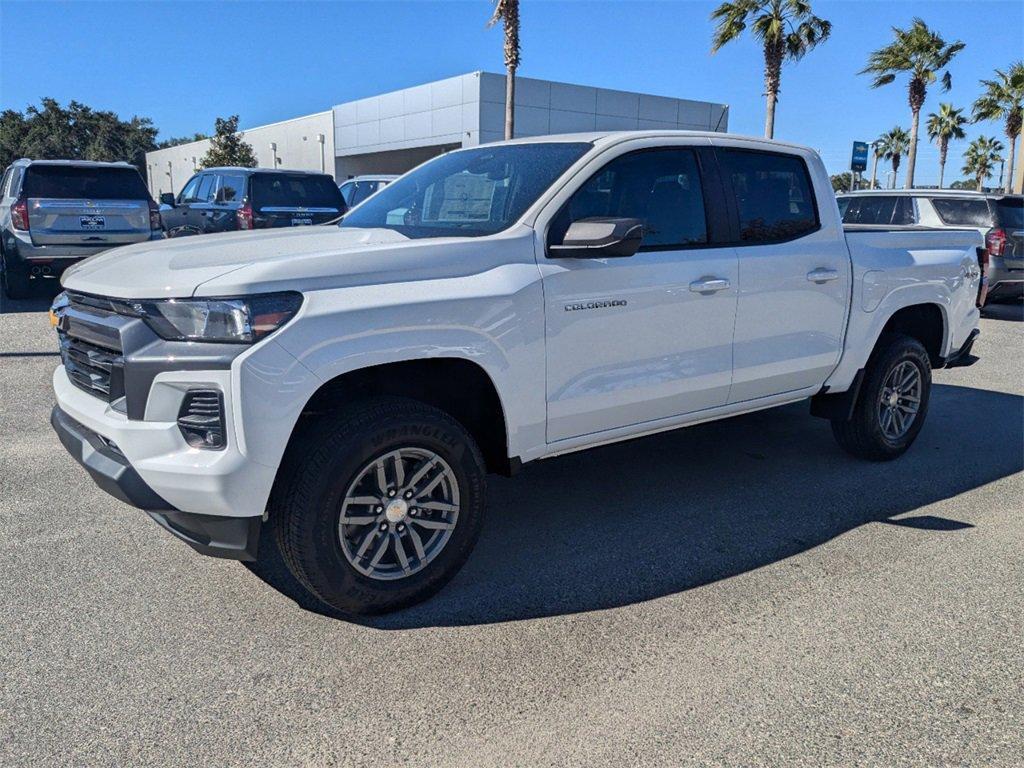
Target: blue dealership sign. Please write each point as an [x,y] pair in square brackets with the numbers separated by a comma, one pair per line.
[859,161]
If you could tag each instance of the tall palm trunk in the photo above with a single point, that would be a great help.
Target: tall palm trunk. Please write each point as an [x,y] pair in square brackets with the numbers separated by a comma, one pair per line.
[510,102]
[917,95]
[943,147]
[895,171]
[1013,125]
[507,11]
[773,51]
[874,170]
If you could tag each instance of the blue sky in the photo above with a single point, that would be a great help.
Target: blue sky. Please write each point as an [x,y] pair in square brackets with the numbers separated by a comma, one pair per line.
[184,63]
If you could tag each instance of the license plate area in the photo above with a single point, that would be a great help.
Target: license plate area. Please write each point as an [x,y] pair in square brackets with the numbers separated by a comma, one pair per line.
[302,221]
[92,223]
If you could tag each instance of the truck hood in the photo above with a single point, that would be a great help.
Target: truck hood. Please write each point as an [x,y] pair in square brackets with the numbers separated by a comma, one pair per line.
[293,259]
[176,268]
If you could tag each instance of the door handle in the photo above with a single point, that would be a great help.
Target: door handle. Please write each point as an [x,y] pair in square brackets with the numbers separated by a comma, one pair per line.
[822,275]
[709,285]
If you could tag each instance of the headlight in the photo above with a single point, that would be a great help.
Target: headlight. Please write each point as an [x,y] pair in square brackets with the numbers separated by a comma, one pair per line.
[241,320]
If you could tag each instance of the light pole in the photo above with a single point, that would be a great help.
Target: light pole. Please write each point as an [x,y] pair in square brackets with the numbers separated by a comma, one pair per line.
[320,141]
[170,175]
[273,151]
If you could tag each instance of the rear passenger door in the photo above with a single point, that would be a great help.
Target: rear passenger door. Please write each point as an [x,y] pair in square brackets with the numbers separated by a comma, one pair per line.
[633,340]
[228,194]
[794,274]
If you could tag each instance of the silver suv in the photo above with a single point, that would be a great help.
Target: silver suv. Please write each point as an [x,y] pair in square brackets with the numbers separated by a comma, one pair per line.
[999,218]
[56,212]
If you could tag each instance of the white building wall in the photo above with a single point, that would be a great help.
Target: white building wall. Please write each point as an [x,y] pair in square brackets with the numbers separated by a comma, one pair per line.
[297,143]
[470,109]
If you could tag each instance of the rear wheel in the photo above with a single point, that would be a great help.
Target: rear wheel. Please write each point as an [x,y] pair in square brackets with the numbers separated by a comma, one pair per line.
[892,402]
[381,505]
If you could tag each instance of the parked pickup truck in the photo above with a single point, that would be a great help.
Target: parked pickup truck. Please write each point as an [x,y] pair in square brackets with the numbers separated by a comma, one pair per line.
[345,389]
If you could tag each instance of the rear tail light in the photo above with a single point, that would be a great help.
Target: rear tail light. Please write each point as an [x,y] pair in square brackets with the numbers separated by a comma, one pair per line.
[154,217]
[19,215]
[245,217]
[995,241]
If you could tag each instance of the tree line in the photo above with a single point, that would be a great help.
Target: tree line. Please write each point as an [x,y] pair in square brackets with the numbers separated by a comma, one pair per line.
[52,131]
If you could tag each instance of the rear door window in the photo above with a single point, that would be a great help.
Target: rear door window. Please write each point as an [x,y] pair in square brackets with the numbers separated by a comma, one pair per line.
[905,212]
[232,188]
[84,183]
[963,213]
[660,187]
[290,191]
[773,194]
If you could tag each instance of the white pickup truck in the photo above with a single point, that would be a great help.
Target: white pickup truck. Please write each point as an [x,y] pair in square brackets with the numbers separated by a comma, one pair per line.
[345,389]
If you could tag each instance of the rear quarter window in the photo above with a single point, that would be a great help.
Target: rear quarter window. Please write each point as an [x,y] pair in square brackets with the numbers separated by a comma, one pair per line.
[84,183]
[963,213]
[284,190]
[773,194]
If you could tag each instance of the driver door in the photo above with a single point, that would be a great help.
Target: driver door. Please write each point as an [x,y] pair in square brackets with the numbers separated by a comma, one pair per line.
[634,340]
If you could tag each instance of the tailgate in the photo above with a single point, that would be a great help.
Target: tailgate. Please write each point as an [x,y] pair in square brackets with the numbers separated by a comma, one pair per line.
[293,216]
[88,222]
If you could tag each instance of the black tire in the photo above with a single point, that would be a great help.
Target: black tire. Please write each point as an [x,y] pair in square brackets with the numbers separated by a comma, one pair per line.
[308,496]
[863,435]
[15,281]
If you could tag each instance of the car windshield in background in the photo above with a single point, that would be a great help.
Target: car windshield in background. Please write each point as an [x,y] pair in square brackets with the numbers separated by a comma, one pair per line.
[71,182]
[1010,212]
[967,213]
[471,192]
[298,190]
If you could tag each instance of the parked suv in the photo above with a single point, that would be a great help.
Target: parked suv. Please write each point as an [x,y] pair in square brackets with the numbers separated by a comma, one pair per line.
[358,188]
[56,212]
[1000,218]
[225,199]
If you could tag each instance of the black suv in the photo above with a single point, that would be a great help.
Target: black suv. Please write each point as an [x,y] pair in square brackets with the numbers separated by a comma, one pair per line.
[225,199]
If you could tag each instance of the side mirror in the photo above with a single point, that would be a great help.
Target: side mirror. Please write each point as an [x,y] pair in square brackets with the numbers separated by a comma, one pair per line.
[599,238]
[167,198]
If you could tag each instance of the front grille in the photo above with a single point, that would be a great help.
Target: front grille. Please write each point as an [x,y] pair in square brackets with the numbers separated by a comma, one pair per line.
[90,367]
[99,305]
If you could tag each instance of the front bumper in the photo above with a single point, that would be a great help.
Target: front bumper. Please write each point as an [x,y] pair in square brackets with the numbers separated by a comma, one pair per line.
[218,536]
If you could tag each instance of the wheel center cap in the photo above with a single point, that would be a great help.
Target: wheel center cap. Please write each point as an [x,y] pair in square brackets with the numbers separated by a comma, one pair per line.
[396,510]
[894,399]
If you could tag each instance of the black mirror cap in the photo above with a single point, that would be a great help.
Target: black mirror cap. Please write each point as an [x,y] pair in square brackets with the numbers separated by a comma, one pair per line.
[167,198]
[600,237]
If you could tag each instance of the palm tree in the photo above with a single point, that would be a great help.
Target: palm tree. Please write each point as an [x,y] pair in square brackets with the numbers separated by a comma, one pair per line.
[1004,98]
[507,12]
[944,125]
[892,146]
[787,29]
[876,152]
[922,53]
[981,157]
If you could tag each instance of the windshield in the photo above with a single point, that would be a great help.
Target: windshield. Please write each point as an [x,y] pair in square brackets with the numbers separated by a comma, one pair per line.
[467,193]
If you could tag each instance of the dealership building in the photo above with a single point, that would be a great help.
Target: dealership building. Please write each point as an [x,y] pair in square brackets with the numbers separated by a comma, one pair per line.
[396,131]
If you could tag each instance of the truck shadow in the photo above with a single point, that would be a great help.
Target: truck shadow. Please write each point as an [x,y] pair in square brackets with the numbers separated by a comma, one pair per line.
[636,521]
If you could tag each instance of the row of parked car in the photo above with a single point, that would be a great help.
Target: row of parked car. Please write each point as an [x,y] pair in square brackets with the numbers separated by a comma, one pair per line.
[56,212]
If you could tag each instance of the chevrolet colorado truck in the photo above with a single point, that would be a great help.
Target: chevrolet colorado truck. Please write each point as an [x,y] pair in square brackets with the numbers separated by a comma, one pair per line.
[344,390]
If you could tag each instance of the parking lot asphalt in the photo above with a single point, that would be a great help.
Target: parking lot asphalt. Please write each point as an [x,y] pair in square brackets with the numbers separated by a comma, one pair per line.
[738,593]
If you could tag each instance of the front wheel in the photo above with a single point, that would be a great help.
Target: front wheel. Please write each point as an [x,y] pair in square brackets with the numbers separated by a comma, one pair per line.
[380,505]
[892,403]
